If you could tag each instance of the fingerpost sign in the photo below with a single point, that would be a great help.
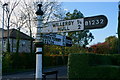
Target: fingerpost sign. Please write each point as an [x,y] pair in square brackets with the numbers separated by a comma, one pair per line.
[94,22]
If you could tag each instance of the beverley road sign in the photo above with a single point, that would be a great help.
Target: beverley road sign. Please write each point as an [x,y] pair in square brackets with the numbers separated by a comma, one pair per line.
[56,39]
[94,22]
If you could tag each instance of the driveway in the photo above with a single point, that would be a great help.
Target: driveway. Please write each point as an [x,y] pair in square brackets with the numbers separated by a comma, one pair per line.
[62,74]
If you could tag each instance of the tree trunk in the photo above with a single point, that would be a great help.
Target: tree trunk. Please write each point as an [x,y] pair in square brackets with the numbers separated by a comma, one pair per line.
[8,36]
[18,42]
[17,45]
[31,42]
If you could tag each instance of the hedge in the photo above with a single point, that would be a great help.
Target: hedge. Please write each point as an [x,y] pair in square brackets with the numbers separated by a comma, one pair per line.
[54,60]
[17,62]
[94,66]
[13,62]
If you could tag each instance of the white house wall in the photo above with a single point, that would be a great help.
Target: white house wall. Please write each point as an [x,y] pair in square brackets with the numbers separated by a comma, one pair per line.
[24,45]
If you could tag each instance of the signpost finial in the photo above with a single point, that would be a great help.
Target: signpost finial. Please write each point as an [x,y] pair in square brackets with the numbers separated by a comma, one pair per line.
[39,11]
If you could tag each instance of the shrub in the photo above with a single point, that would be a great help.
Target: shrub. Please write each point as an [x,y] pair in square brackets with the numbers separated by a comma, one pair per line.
[6,62]
[93,66]
[13,62]
[54,60]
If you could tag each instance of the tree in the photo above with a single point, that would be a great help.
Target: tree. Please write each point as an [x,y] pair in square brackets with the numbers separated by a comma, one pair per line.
[100,48]
[12,5]
[28,14]
[113,44]
[25,17]
[110,46]
[52,11]
[81,38]
[18,23]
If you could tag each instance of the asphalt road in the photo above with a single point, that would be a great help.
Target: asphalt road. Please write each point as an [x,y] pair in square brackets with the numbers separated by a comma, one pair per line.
[62,74]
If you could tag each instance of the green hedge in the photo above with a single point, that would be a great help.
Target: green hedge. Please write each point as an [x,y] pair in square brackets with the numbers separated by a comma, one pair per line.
[54,60]
[16,62]
[94,66]
[13,62]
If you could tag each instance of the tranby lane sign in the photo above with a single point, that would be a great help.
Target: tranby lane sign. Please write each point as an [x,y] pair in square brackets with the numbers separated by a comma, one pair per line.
[56,39]
[94,22]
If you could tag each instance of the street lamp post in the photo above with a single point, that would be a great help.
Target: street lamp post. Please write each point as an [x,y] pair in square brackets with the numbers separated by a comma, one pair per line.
[3,27]
[39,44]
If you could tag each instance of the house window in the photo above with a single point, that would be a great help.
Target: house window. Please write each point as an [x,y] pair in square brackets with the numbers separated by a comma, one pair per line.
[14,49]
[23,43]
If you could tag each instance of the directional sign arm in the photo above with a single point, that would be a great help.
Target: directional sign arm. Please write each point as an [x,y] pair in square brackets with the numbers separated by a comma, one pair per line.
[95,22]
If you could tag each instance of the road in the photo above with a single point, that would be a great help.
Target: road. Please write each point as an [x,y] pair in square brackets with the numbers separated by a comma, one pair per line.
[62,74]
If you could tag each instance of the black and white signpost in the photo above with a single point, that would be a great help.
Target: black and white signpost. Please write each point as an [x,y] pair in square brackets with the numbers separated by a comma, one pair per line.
[94,22]
[39,44]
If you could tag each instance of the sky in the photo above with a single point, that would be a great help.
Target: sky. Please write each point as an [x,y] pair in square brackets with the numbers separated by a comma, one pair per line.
[93,8]
[85,0]
[109,9]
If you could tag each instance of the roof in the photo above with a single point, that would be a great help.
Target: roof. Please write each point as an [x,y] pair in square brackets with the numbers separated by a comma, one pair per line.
[13,34]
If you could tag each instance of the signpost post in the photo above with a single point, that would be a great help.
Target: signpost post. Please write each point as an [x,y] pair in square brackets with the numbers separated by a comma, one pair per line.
[39,44]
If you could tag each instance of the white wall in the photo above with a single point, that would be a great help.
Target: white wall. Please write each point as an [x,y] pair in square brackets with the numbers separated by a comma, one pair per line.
[24,45]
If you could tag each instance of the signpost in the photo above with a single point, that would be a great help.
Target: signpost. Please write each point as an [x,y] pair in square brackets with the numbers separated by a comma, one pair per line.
[94,22]
[61,26]
[39,44]
[56,39]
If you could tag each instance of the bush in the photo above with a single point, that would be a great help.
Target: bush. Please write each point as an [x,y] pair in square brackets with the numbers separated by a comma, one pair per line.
[6,62]
[13,62]
[54,60]
[93,66]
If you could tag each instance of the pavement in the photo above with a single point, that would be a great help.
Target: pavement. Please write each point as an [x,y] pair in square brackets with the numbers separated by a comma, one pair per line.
[30,75]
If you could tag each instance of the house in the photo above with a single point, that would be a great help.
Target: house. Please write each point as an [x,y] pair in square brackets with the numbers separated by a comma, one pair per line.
[24,43]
